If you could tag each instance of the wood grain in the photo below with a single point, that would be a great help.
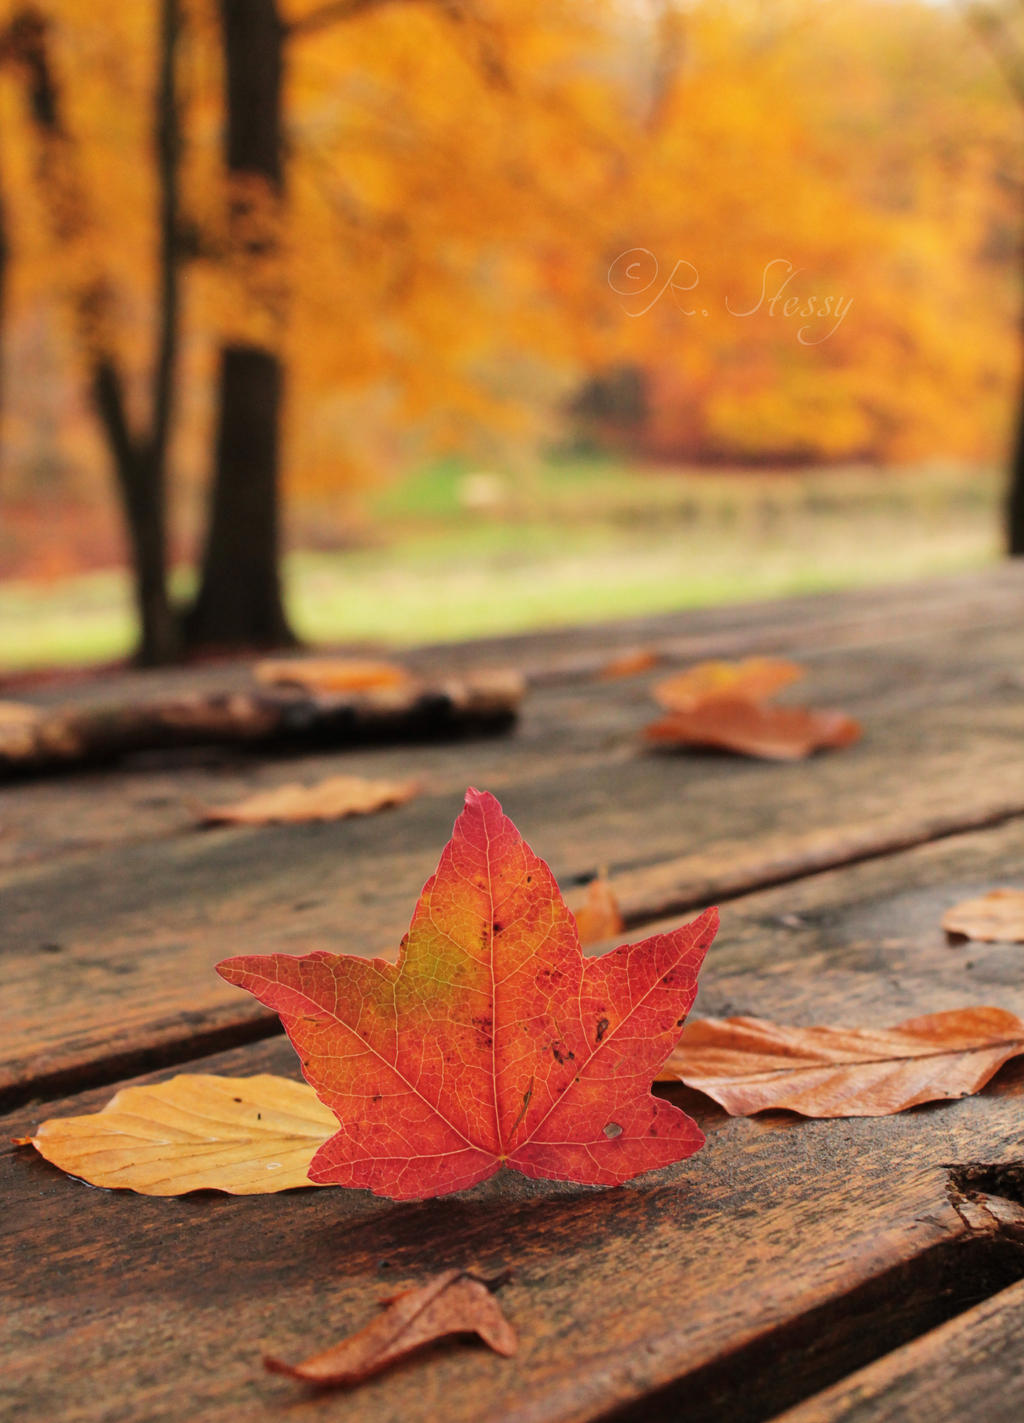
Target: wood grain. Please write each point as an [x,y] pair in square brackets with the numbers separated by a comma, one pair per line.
[108,948]
[972,1367]
[780,1258]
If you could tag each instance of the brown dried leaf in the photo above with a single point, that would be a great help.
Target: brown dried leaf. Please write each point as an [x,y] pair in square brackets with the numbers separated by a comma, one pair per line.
[332,799]
[752,729]
[18,714]
[752,680]
[751,1065]
[331,674]
[598,917]
[997,917]
[248,1136]
[452,1303]
[629,664]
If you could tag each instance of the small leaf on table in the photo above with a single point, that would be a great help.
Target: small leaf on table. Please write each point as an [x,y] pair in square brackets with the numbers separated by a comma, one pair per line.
[753,680]
[332,799]
[996,917]
[629,664]
[751,1065]
[330,674]
[599,916]
[450,1304]
[753,729]
[247,1136]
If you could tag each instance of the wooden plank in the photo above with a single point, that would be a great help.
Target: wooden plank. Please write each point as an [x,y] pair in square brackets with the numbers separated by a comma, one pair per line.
[972,1367]
[132,930]
[589,727]
[928,662]
[781,1257]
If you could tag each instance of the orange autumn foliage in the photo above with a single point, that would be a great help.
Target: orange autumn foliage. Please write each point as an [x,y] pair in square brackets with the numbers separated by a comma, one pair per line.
[445,285]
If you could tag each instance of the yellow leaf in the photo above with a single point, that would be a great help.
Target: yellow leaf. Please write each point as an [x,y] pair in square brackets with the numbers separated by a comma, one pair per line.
[248,1136]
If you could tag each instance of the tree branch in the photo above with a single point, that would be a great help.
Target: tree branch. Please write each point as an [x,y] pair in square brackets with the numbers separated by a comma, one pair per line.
[167,136]
[338,10]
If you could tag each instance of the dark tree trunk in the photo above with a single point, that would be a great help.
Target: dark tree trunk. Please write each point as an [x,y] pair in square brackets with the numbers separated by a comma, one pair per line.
[139,471]
[1015,502]
[141,461]
[239,600]
[4,255]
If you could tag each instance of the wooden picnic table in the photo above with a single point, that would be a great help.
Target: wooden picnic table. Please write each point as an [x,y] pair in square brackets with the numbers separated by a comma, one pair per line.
[861,1269]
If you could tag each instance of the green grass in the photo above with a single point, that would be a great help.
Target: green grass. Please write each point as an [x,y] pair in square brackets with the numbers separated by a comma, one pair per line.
[576,541]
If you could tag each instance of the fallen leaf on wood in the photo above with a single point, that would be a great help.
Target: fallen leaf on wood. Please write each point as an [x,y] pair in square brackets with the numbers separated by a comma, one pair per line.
[997,917]
[18,714]
[629,664]
[753,680]
[752,729]
[450,1304]
[751,1065]
[330,674]
[331,799]
[18,728]
[247,1136]
[492,1042]
[598,917]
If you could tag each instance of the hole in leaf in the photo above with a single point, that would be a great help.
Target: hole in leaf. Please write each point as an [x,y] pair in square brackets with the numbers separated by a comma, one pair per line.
[613,1129]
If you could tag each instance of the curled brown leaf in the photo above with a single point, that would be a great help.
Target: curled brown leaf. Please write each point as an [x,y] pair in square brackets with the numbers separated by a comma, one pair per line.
[751,1065]
[452,1303]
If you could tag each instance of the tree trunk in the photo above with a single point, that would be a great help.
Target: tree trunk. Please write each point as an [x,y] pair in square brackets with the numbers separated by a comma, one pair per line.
[239,600]
[4,255]
[140,475]
[1015,501]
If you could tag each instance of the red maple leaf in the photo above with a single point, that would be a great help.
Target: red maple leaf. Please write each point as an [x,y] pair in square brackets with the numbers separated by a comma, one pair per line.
[492,1041]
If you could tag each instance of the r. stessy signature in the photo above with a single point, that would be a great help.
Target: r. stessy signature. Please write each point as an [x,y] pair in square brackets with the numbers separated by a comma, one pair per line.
[818,315]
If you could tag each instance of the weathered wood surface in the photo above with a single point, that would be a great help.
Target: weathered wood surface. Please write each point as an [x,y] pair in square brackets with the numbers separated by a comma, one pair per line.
[791,1264]
[108,882]
[785,1255]
[971,1367]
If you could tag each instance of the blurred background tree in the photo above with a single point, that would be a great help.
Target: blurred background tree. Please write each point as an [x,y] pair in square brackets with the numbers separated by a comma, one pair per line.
[1001,29]
[304,245]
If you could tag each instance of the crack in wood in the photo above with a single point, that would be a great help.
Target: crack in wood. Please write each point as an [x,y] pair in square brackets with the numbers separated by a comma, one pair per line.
[790,1364]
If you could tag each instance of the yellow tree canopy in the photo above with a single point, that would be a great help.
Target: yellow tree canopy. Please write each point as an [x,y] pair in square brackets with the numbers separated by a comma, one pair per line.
[463,182]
